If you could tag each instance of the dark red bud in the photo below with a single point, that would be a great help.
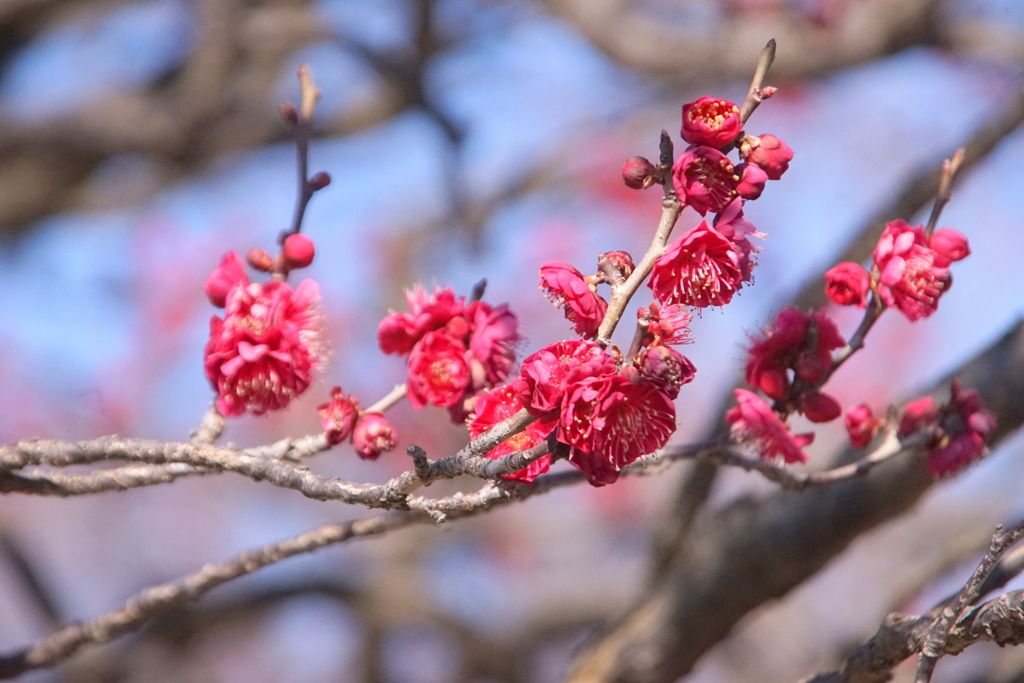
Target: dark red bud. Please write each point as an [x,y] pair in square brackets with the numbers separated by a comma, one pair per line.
[638,173]
[289,114]
[319,181]
[260,260]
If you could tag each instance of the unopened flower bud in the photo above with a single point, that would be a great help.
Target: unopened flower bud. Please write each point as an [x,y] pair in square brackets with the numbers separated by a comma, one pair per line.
[298,251]
[319,181]
[373,435]
[260,260]
[767,151]
[861,425]
[820,407]
[289,114]
[338,417]
[638,173]
[767,91]
[224,278]
[847,284]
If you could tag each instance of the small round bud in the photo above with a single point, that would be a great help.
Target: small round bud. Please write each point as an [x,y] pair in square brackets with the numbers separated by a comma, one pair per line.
[260,260]
[319,181]
[289,114]
[638,173]
[298,251]
[767,91]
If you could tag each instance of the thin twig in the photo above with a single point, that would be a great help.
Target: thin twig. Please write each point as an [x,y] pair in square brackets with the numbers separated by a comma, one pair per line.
[938,634]
[63,643]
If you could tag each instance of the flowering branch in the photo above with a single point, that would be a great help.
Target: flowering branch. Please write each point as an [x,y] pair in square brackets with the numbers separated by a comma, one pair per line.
[889,448]
[623,292]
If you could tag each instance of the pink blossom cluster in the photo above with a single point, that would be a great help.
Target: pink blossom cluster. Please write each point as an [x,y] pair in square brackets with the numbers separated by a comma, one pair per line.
[263,352]
[788,363]
[710,263]
[911,270]
[960,429]
[608,416]
[455,349]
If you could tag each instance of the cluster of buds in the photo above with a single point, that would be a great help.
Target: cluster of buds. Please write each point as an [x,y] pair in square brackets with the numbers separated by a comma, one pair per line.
[263,352]
[343,419]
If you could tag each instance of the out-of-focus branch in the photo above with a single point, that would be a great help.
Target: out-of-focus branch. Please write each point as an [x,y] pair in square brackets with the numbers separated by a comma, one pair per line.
[65,642]
[649,40]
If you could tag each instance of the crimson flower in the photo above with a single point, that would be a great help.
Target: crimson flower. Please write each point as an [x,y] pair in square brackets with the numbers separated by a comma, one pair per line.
[704,178]
[610,421]
[767,151]
[738,230]
[847,284]
[710,121]
[225,277]
[667,324]
[338,416]
[567,289]
[398,332]
[438,371]
[498,405]
[455,350]
[754,421]
[789,346]
[372,436]
[861,425]
[262,354]
[915,268]
[700,268]
[961,429]
[547,375]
